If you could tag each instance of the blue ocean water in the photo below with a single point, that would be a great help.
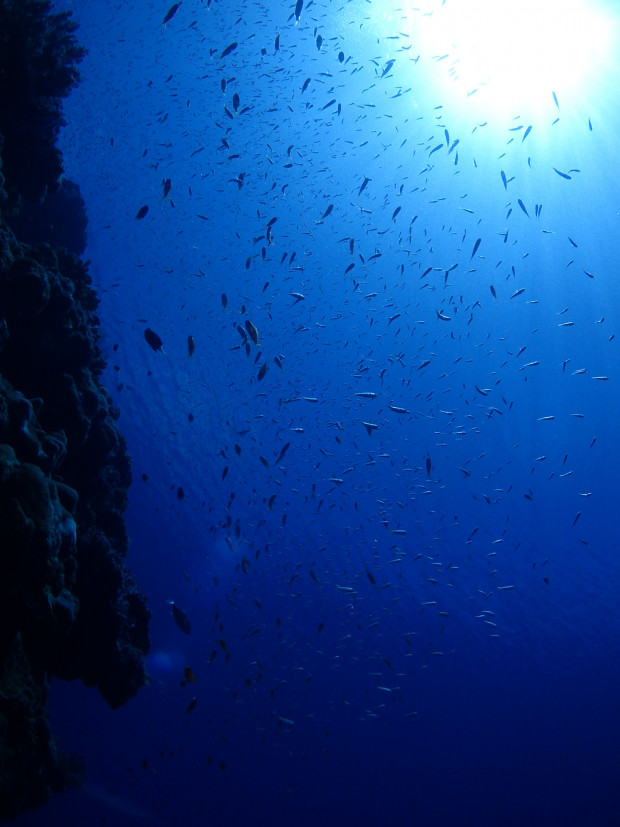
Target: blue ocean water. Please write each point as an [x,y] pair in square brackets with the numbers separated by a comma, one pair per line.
[382,488]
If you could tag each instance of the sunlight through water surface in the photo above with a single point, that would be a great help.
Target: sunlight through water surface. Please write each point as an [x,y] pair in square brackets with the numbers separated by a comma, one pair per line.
[515,55]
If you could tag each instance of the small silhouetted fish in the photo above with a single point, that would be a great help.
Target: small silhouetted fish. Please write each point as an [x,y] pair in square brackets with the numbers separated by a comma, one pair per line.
[327,211]
[319,42]
[282,452]
[230,48]
[191,346]
[522,205]
[236,101]
[180,618]
[153,339]
[475,250]
[142,212]
[305,85]
[252,331]
[191,705]
[387,67]
[167,186]
[224,300]
[298,7]
[428,465]
[170,13]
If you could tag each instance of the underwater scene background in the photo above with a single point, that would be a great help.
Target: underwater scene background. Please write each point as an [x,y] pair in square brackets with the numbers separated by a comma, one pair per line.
[359,307]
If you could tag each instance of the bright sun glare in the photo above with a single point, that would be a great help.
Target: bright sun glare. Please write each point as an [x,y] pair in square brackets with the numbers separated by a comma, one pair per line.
[514,53]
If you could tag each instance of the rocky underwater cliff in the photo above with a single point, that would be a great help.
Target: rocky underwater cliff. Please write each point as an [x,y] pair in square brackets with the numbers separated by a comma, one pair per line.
[69,607]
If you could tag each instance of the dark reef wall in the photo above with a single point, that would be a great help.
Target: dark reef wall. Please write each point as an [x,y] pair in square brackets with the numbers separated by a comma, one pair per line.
[38,67]
[69,607]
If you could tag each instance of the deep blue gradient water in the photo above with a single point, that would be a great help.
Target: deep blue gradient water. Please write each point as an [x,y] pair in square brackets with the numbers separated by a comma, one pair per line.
[411,623]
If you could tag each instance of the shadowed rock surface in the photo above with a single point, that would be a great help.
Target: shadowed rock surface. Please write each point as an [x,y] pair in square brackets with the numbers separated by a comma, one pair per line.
[69,607]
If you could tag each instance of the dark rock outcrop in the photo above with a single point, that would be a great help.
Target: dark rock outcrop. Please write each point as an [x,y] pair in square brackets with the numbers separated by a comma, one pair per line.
[69,607]
[38,67]
[58,219]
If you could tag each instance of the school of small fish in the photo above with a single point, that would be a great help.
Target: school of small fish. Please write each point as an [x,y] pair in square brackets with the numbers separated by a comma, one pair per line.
[372,305]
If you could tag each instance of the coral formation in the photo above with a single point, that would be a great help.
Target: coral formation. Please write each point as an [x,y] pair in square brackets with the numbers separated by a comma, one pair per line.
[38,67]
[59,219]
[69,607]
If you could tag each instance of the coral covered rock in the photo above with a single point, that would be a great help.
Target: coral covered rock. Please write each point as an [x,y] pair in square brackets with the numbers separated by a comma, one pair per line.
[38,67]
[68,604]
[58,219]
[31,768]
